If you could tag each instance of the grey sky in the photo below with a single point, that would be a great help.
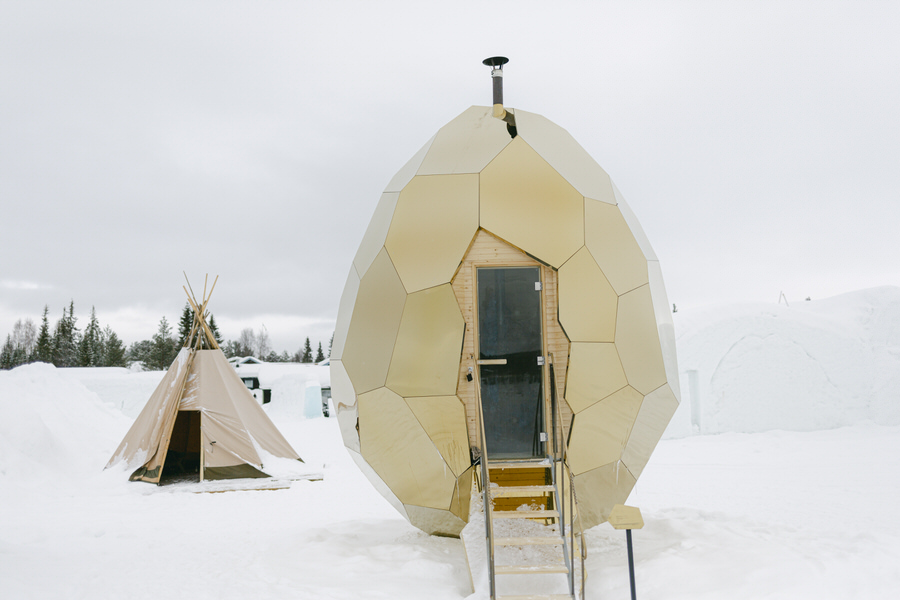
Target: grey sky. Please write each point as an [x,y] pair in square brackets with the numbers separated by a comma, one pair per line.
[757,142]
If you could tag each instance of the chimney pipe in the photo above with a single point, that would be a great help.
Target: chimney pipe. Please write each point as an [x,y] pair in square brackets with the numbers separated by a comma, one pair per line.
[496,64]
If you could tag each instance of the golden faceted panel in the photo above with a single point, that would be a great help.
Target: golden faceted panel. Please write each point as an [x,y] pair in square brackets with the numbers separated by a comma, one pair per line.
[656,411]
[434,221]
[444,420]
[595,372]
[613,246]
[600,489]
[566,156]
[525,202]
[374,325]
[587,302]
[404,175]
[344,399]
[426,354]
[376,232]
[637,340]
[400,451]
[466,144]
[398,354]
[345,310]
[600,431]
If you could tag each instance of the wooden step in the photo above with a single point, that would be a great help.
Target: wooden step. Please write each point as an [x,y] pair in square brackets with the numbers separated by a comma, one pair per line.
[521,490]
[519,464]
[529,569]
[525,514]
[538,597]
[528,541]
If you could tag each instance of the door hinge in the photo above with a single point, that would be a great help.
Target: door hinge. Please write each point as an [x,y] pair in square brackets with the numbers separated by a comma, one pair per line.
[540,361]
[538,286]
[543,436]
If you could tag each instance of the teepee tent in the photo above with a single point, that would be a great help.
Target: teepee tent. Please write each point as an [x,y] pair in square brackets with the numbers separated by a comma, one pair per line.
[201,418]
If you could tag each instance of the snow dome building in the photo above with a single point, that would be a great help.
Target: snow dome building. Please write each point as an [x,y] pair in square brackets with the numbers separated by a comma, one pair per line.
[503,284]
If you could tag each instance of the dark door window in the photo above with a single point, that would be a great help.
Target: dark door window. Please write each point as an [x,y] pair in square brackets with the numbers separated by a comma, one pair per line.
[509,328]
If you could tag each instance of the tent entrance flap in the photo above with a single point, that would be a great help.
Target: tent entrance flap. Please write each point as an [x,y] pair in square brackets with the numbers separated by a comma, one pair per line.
[183,456]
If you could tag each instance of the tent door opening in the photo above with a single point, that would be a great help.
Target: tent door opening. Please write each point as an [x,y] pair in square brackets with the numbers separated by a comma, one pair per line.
[183,456]
[509,351]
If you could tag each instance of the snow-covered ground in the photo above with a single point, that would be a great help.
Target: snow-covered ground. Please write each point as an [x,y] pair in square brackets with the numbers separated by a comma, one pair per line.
[791,492]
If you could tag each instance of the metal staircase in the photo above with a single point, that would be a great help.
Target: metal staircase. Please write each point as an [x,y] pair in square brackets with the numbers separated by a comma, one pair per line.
[532,530]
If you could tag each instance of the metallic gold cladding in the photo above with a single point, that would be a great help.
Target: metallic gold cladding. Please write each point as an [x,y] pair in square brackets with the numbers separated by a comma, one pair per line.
[473,197]
[400,451]
[601,430]
[613,246]
[595,372]
[426,353]
[466,144]
[601,489]
[444,420]
[344,398]
[656,411]
[634,226]
[587,302]
[528,204]
[376,232]
[345,310]
[434,222]
[565,155]
[374,325]
[378,483]
[664,325]
[405,174]
[637,340]
[435,522]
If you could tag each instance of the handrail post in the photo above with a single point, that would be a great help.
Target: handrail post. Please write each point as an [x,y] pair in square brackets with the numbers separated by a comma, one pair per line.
[485,486]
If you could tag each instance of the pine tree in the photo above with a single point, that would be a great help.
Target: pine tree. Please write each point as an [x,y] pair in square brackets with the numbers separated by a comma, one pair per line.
[163,348]
[65,339]
[185,324]
[7,354]
[89,348]
[113,349]
[43,349]
[319,355]
[140,352]
[215,330]
[330,344]
[307,355]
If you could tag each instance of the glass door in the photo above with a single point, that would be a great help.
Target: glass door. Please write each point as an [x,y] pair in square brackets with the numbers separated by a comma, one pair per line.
[509,350]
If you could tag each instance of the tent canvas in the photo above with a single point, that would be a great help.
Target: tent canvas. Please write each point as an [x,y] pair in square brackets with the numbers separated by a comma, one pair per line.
[201,418]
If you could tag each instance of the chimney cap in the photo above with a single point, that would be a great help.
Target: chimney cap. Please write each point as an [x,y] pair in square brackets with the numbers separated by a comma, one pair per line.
[495,61]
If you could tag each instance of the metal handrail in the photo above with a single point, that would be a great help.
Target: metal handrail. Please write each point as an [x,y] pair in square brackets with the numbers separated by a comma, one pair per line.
[568,495]
[485,486]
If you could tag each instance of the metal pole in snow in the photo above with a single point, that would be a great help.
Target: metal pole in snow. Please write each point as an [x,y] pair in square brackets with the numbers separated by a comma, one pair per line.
[631,564]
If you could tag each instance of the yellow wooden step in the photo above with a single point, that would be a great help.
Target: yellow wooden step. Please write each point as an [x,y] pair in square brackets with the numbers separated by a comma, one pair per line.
[528,541]
[520,490]
[525,514]
[537,597]
[529,569]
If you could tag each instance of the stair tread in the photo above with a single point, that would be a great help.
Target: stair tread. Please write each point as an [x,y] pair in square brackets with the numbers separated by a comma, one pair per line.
[528,541]
[517,464]
[537,597]
[514,490]
[524,514]
[526,569]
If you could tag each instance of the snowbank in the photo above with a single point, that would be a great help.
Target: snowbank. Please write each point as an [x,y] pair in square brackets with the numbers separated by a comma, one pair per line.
[808,366]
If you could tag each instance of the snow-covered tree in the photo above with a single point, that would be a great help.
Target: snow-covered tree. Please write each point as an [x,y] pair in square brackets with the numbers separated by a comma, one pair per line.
[43,349]
[163,347]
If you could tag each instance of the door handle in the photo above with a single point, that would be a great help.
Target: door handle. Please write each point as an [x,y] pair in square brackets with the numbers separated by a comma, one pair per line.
[491,361]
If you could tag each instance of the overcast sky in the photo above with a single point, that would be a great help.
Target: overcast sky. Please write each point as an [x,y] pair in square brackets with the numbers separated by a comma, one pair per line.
[757,142]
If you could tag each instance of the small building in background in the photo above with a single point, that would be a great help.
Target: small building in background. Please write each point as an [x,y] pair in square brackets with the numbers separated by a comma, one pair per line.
[301,389]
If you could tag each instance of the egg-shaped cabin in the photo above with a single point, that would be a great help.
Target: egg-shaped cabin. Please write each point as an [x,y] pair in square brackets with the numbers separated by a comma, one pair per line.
[502,254]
